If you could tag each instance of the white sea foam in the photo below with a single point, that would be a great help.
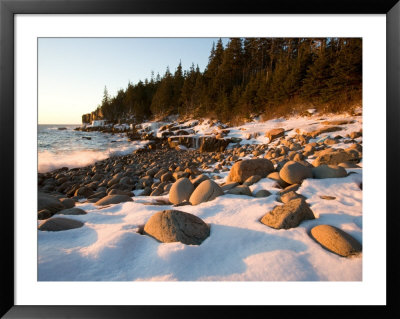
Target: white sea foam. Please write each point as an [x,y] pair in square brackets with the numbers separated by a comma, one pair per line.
[48,161]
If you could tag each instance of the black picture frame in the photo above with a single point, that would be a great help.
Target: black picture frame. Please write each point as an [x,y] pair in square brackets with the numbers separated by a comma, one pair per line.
[8,8]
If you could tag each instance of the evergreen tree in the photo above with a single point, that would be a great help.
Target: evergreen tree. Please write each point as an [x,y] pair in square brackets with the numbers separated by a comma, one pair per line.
[246,77]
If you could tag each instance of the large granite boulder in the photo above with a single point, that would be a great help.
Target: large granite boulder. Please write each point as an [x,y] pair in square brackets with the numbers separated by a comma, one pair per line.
[329,171]
[335,157]
[59,224]
[336,240]
[50,203]
[206,191]
[180,191]
[288,215]
[242,170]
[294,172]
[175,226]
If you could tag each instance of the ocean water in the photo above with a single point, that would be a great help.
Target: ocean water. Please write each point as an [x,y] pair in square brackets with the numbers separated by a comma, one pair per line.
[70,148]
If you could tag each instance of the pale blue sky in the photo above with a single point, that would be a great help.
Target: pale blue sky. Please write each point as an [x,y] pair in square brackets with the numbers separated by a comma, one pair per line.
[74,71]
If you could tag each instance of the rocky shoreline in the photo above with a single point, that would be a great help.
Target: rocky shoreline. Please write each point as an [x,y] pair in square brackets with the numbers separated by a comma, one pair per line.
[190,177]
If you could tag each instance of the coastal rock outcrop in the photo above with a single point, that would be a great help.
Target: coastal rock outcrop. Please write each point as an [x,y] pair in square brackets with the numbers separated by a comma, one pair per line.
[212,144]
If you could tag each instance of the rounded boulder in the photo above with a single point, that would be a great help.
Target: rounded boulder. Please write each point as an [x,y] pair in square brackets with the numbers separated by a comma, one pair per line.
[288,215]
[294,172]
[329,171]
[206,191]
[242,170]
[180,191]
[336,240]
[72,211]
[67,202]
[113,199]
[50,203]
[175,226]
[59,224]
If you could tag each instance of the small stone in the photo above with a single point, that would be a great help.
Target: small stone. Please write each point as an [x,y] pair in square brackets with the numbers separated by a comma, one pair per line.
[201,178]
[348,165]
[290,188]
[229,186]
[120,192]
[252,180]
[44,214]
[240,190]
[287,197]
[84,191]
[113,199]
[166,177]
[67,202]
[262,193]
[280,182]
[327,197]
[72,211]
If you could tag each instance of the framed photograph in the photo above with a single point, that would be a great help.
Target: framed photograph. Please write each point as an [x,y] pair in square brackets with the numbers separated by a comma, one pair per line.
[189,159]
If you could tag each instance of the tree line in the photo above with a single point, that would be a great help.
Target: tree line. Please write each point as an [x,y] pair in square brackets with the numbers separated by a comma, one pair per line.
[249,76]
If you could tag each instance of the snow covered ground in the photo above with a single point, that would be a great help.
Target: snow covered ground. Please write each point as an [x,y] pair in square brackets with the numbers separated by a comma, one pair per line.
[240,248]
